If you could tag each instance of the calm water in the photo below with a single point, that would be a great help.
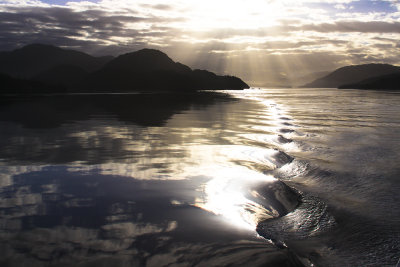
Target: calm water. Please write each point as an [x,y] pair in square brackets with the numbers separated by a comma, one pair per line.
[274,177]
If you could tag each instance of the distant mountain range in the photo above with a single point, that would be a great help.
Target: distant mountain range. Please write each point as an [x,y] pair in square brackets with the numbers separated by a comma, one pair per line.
[45,68]
[386,82]
[39,68]
[10,84]
[33,59]
[352,75]
[367,76]
[149,69]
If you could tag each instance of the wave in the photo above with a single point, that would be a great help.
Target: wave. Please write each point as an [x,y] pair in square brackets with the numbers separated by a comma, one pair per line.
[296,216]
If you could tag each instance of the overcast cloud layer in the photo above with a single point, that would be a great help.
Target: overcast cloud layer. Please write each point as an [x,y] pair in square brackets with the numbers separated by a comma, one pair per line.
[265,42]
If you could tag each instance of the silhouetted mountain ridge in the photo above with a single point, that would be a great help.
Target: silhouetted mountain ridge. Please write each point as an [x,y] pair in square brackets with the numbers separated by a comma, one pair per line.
[63,75]
[146,60]
[11,85]
[384,82]
[30,60]
[352,74]
[143,70]
[150,69]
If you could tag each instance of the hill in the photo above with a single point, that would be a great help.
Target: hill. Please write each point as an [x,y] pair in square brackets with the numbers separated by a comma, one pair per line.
[62,75]
[352,74]
[385,82]
[73,71]
[33,59]
[10,85]
[153,70]
[146,60]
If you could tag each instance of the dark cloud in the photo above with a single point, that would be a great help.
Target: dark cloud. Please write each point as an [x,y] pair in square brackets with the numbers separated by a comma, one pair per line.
[292,46]
[384,46]
[351,26]
[384,39]
[283,45]
[286,28]
[67,27]
[67,17]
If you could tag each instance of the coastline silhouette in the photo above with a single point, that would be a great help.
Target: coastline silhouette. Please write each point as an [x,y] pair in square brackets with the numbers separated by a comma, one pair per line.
[41,68]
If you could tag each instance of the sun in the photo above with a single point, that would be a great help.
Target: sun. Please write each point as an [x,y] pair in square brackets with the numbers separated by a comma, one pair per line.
[233,14]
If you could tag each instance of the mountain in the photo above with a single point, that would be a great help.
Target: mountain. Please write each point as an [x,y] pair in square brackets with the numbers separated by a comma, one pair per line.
[385,82]
[64,70]
[11,85]
[153,70]
[62,75]
[33,59]
[145,60]
[300,80]
[352,74]
[208,80]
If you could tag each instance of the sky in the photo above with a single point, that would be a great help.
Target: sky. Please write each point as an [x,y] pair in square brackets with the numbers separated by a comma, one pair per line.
[264,42]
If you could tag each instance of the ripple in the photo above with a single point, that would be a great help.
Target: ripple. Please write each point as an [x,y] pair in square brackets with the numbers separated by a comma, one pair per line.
[310,218]
[284,140]
[285,130]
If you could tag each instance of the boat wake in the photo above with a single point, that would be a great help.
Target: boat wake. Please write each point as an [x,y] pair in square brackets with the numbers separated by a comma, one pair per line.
[298,216]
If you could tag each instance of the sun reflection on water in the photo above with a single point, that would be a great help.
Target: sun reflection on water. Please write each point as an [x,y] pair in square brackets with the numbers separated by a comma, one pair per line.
[225,195]
[231,154]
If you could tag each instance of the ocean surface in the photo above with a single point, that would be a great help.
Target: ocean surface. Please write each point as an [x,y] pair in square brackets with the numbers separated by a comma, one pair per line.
[260,177]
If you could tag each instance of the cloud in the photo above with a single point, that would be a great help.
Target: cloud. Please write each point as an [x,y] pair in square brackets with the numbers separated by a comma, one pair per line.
[340,6]
[353,26]
[158,6]
[203,36]
[67,27]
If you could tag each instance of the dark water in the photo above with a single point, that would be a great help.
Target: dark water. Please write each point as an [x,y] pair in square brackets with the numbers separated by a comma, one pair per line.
[274,177]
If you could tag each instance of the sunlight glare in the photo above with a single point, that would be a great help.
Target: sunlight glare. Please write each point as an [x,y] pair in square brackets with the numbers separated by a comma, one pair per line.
[233,14]
[224,195]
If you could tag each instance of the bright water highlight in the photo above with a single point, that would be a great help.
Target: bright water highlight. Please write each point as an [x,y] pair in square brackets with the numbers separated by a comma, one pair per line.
[276,177]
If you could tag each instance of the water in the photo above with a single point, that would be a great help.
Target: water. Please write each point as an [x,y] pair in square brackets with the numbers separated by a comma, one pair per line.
[274,177]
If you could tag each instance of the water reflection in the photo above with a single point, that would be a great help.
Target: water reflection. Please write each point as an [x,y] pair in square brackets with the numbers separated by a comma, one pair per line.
[138,180]
[346,154]
[163,179]
[57,216]
[247,197]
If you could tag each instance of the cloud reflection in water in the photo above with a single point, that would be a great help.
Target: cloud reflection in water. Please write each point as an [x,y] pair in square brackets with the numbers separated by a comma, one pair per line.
[105,181]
